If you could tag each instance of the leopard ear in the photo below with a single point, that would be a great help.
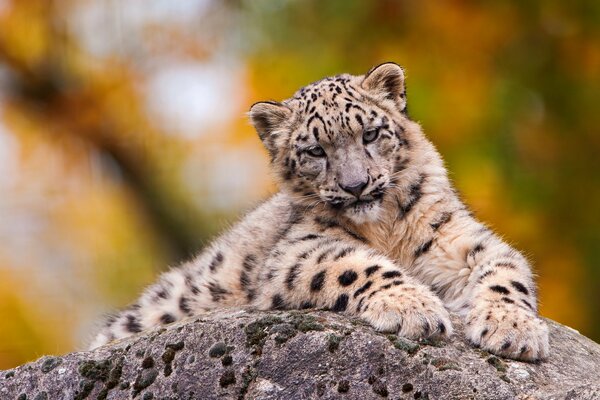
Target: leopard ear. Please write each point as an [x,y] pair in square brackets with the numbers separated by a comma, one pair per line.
[386,81]
[269,118]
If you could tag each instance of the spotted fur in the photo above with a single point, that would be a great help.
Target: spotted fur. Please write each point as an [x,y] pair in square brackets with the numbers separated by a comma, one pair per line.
[366,223]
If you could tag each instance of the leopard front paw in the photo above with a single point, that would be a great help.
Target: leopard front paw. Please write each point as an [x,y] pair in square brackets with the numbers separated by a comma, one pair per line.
[411,311]
[508,331]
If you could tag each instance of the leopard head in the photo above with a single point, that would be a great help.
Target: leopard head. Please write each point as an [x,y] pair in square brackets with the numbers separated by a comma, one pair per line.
[340,141]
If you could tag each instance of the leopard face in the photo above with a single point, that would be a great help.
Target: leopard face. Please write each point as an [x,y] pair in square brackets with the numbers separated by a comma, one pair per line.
[339,141]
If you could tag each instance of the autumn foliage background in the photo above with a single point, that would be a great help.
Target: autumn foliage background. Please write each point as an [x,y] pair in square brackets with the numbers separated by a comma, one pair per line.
[124,146]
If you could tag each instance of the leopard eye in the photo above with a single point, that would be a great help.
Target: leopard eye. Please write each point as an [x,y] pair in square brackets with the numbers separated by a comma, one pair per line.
[370,135]
[316,151]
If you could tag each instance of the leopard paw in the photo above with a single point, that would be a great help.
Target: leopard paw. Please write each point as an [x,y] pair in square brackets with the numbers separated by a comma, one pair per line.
[410,310]
[508,331]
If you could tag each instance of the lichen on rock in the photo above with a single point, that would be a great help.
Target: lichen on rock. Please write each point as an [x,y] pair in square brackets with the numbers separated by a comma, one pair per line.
[287,355]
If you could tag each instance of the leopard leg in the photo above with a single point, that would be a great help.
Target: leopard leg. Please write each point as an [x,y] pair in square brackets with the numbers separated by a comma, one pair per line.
[344,276]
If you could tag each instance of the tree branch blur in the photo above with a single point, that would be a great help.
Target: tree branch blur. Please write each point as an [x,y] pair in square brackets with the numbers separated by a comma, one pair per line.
[72,96]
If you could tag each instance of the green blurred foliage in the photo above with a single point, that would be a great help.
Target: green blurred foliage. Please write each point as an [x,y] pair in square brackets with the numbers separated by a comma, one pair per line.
[508,92]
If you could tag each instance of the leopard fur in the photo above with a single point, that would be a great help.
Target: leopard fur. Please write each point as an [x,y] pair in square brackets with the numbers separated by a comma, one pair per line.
[366,222]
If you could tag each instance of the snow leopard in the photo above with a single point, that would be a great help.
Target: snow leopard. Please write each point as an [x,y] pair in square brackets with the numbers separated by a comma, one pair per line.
[365,222]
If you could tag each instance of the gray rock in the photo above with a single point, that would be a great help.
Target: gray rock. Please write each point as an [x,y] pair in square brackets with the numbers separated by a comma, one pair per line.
[303,355]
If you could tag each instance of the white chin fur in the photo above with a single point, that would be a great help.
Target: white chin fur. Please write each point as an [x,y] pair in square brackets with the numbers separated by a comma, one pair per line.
[363,214]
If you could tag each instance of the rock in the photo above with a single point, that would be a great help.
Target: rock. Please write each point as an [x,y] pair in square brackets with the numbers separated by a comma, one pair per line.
[303,355]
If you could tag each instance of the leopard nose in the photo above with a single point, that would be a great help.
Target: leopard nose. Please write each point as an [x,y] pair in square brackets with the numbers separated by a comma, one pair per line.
[356,188]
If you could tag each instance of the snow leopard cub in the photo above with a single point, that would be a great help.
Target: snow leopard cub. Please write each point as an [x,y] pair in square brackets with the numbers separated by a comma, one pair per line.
[366,222]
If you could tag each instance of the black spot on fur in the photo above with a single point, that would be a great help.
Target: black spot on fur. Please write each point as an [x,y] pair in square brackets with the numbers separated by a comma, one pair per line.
[132,324]
[184,305]
[391,274]
[249,262]
[343,253]
[217,292]
[442,219]
[292,275]
[315,116]
[189,283]
[111,319]
[477,249]
[244,281]
[424,248]
[363,289]
[486,274]
[484,332]
[371,270]
[347,278]
[311,236]
[506,265]
[317,281]
[426,328]
[316,133]
[307,253]
[499,289]
[324,255]
[399,165]
[277,303]
[271,274]
[413,197]
[355,235]
[326,223]
[341,303]
[359,120]
[216,262]
[506,345]
[359,305]
[442,328]
[167,318]
[520,287]
[527,304]
[507,300]
[306,305]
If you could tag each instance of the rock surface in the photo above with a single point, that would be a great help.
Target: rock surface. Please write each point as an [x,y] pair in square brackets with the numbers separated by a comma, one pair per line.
[303,355]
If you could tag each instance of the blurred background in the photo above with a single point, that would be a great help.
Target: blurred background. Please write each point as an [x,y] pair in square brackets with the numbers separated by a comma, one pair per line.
[124,146]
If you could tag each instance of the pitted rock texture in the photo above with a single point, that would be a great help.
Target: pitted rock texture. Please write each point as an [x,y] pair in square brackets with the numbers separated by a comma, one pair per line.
[303,355]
